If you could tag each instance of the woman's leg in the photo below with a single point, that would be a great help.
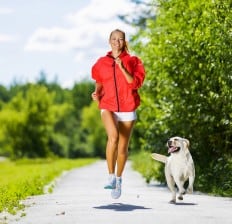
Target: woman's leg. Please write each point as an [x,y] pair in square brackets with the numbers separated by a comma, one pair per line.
[111,128]
[125,129]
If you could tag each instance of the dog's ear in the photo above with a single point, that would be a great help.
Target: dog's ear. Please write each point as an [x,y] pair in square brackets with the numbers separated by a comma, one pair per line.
[187,143]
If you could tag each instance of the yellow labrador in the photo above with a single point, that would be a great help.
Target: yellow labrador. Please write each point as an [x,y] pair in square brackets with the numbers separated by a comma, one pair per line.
[179,166]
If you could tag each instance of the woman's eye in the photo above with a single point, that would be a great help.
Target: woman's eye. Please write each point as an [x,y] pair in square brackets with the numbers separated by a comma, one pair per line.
[119,39]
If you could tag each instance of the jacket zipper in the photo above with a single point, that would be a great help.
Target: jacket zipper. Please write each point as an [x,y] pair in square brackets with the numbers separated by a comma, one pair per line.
[115,85]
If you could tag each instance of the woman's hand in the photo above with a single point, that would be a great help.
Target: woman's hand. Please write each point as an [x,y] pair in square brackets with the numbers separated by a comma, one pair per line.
[118,61]
[127,75]
[95,96]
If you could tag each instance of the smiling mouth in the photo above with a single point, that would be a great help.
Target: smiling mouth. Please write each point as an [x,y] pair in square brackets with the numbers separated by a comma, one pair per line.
[172,149]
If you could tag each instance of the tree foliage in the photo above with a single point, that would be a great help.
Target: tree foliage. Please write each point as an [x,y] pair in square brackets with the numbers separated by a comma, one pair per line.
[44,119]
[92,125]
[187,51]
[28,122]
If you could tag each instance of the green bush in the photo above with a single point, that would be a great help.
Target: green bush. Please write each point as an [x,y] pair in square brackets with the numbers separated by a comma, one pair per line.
[187,51]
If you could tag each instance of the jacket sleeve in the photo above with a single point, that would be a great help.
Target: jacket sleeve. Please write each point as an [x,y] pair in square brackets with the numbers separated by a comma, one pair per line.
[95,72]
[138,73]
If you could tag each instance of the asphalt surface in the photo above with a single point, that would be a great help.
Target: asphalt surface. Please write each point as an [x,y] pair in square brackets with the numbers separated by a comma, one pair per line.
[79,198]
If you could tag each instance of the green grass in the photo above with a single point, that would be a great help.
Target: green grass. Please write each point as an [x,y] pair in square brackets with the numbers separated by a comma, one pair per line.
[24,178]
[144,164]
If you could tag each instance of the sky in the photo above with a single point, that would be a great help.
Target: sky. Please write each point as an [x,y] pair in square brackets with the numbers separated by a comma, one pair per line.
[61,38]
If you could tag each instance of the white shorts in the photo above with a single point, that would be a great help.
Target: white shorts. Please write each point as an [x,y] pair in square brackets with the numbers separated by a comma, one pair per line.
[124,116]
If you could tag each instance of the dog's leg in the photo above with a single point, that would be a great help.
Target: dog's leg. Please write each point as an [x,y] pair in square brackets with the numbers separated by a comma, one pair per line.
[190,186]
[191,179]
[171,186]
[181,190]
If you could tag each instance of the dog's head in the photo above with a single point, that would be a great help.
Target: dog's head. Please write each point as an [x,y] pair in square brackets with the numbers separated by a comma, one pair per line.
[175,144]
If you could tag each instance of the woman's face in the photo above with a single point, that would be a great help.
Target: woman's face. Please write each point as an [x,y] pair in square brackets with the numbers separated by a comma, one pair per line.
[117,41]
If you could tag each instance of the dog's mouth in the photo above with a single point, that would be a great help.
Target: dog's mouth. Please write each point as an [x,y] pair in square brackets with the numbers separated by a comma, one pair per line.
[172,149]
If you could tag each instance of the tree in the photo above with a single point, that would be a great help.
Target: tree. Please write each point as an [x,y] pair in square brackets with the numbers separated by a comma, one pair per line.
[4,94]
[44,119]
[95,134]
[140,15]
[28,122]
[187,53]
[81,94]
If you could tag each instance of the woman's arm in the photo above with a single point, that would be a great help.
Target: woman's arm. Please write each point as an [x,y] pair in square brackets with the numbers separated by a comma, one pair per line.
[127,75]
[96,95]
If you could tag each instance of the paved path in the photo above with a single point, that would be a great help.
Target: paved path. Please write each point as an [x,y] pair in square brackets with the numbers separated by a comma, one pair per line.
[79,198]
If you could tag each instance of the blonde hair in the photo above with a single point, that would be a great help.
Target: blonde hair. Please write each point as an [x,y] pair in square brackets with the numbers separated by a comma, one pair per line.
[125,47]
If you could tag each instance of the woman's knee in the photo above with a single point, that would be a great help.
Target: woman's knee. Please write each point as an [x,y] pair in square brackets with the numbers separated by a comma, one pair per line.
[113,139]
[123,153]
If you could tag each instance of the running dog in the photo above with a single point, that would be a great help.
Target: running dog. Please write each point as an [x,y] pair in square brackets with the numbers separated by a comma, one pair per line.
[179,166]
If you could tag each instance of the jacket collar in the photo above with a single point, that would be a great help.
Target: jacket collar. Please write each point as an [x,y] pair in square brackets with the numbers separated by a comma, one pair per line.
[109,54]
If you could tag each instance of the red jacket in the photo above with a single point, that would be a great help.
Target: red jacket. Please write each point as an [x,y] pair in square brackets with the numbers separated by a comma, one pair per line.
[117,94]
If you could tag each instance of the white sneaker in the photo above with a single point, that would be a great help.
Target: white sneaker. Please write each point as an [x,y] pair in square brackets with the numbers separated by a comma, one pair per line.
[116,193]
[111,182]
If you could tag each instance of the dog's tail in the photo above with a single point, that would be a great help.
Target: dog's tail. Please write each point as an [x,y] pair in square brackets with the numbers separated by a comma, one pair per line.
[159,157]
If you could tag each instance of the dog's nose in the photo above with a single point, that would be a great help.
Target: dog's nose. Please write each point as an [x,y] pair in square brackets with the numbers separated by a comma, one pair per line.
[169,142]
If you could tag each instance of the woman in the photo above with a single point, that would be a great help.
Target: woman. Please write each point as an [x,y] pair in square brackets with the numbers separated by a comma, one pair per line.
[118,76]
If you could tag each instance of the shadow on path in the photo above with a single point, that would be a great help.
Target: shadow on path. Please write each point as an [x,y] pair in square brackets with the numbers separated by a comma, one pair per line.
[121,207]
[184,203]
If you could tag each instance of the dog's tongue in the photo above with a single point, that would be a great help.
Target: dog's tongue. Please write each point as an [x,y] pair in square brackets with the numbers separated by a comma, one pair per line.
[171,149]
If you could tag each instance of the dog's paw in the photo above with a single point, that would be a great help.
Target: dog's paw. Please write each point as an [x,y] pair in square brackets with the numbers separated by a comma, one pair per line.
[180,197]
[173,201]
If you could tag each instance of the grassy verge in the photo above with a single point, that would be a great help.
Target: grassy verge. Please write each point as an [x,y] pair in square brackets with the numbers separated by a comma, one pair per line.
[144,164]
[24,178]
